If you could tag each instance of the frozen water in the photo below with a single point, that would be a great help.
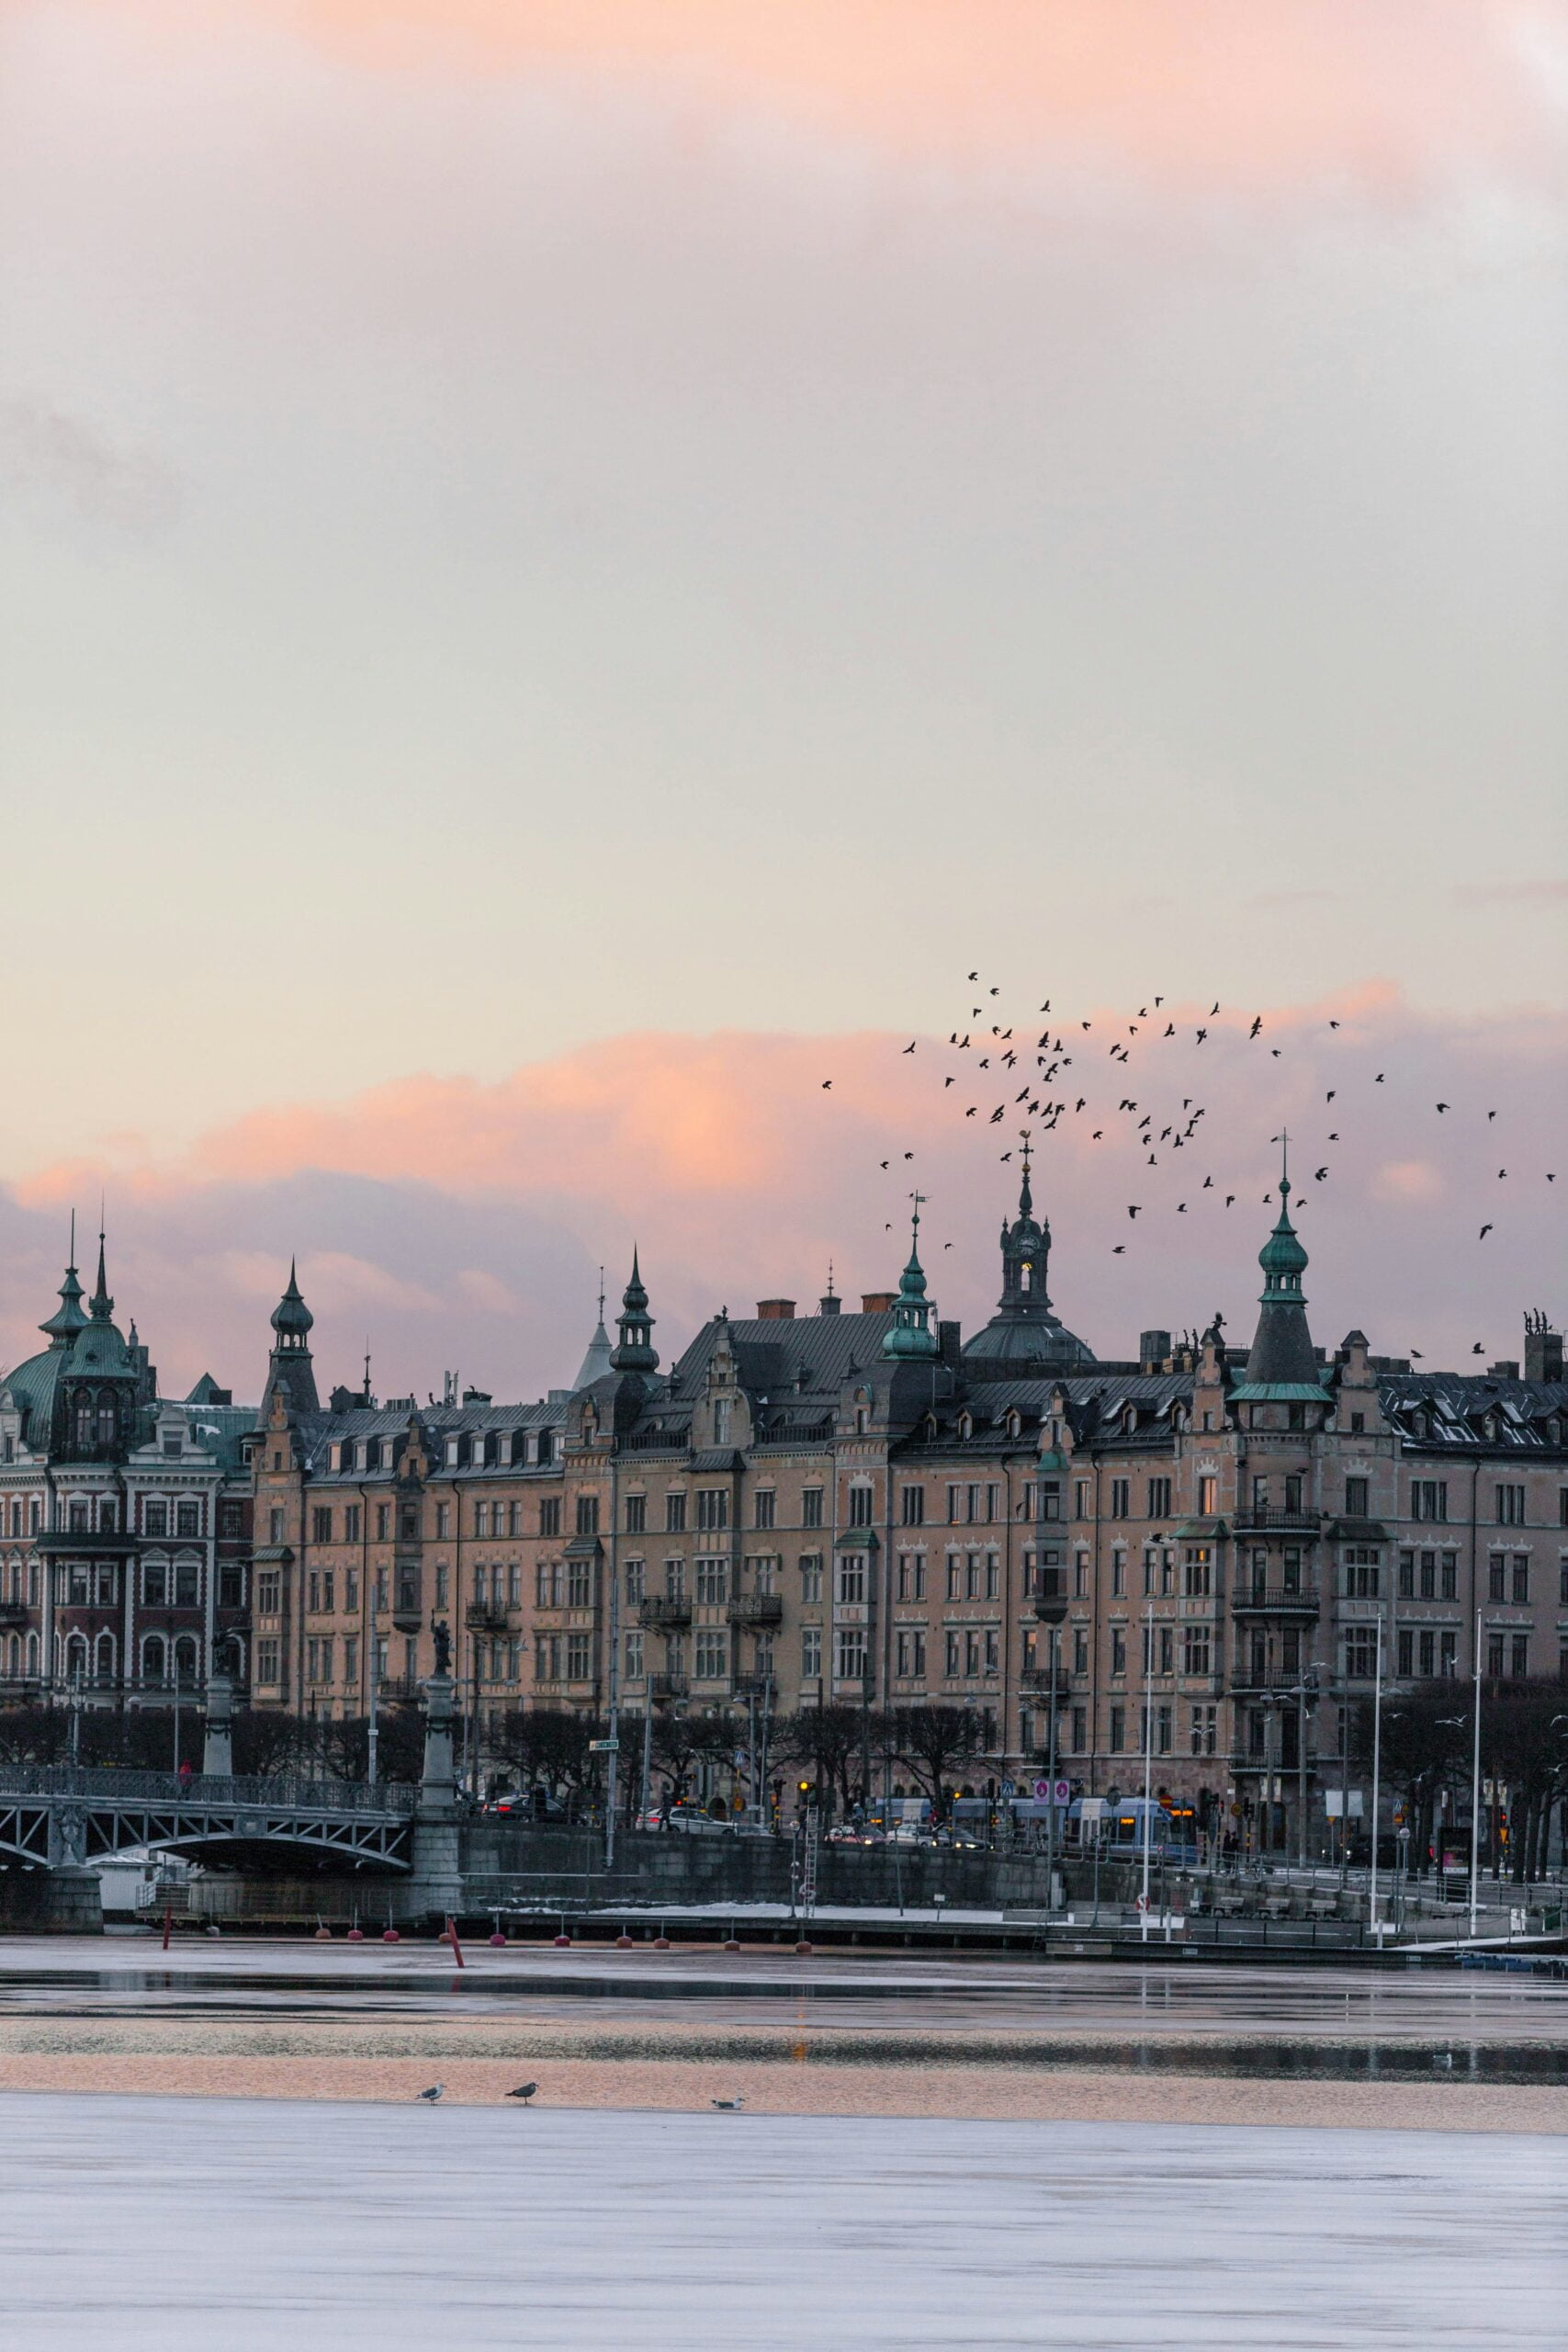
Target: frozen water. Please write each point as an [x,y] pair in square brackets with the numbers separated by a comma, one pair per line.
[155,2226]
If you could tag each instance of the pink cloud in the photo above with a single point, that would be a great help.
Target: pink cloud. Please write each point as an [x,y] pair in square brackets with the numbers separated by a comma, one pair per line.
[463,1222]
[1197,90]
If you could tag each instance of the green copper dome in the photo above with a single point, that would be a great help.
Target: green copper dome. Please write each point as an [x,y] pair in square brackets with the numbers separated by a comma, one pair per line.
[1282,1259]
[911,1337]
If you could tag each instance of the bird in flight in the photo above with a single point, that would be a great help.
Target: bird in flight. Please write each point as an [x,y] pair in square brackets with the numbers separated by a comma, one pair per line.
[1442,1106]
[910,1046]
[1133,1212]
[1483,1232]
[434,2094]
[1478,1349]
[947,1082]
[1320,1173]
[525,2091]
[1417,1356]
[1120,1250]
[974,975]
[1333,1024]
[1378,1080]
[1255,1026]
[826,1082]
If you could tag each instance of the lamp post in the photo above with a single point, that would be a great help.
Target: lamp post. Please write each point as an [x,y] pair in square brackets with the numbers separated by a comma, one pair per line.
[1475,1790]
[1377,1770]
[1050,1609]
[1148,1759]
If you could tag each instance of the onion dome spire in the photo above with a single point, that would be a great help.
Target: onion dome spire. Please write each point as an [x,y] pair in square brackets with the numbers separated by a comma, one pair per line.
[911,1337]
[1282,1354]
[68,1319]
[634,1350]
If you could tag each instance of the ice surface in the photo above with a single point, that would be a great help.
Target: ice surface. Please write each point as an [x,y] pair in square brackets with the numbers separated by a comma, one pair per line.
[154,2225]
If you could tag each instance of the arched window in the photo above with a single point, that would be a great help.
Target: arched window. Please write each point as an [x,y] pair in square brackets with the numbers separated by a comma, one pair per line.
[106,1417]
[1025,1276]
[76,1658]
[184,1658]
[33,1655]
[152,1656]
[13,1657]
[82,1420]
[103,1657]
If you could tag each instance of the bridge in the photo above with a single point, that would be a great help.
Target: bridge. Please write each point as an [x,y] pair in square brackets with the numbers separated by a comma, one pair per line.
[55,1817]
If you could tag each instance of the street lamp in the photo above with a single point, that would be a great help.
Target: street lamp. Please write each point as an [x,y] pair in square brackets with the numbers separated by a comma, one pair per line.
[1050,1609]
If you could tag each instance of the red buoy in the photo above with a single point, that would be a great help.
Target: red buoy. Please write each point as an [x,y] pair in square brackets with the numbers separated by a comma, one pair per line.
[390,1936]
[354,1936]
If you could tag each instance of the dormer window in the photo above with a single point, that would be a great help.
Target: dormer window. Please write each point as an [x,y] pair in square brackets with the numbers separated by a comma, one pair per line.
[1014,1425]
[965,1427]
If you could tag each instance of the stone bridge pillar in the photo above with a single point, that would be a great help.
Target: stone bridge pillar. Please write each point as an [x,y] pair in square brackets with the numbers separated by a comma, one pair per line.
[437,1883]
[217,1747]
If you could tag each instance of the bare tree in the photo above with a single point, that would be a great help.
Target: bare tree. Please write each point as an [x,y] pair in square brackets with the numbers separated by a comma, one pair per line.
[932,1741]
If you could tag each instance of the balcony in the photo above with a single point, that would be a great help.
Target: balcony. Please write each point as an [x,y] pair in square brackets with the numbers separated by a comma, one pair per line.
[96,1544]
[667,1686]
[1254,1683]
[663,1616]
[13,1613]
[486,1617]
[1269,1522]
[756,1609]
[763,1687]
[1276,1600]
[407,1615]
[1037,1681]
[396,1689]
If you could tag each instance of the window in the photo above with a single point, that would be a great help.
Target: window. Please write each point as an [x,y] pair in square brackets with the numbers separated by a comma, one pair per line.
[549,1515]
[811,1652]
[1080,1498]
[763,1504]
[155,1518]
[1120,1497]
[860,1506]
[675,1512]
[1497,1577]
[1119,1574]
[1197,1572]
[1448,1655]
[579,1584]
[954,1653]
[912,1506]
[1361,1573]
[852,1580]
[1430,1499]
[187,1518]
[444,1518]
[481,1519]
[1511,1506]
[1159,1498]
[321,1523]
[578,1657]
[1201,1737]
[351,1523]
[637,1581]
[230,1585]
[711,1655]
[1406,1651]
[1208,1490]
[1407,1575]
[1519,1657]
[713,1580]
[588,1514]
[266,1661]
[1521,1583]
[849,1655]
[1429,1576]
[442,1576]
[155,1584]
[911,1575]
[1118,1734]
[1195,1649]
[811,1576]
[1080,1575]
[1361,1653]
[910,1653]
[811,1507]
[1118,1649]
[632,1653]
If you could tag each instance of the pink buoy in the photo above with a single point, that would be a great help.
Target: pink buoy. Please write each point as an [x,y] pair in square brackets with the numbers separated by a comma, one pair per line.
[498,1940]
[356,1936]
[390,1936]
[323,1936]
[804,1950]
[561,1943]
[661,1943]
[733,1944]
[623,1942]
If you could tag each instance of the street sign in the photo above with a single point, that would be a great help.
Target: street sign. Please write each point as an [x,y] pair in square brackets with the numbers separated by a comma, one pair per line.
[1007,1789]
[604,1747]
[1062,1791]
[1042,1787]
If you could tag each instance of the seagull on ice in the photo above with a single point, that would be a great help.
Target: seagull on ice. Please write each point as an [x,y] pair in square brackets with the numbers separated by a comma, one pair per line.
[525,2091]
[432,2094]
[728,2106]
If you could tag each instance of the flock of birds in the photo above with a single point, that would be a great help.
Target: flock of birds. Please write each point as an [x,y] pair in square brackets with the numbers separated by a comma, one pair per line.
[1057,1077]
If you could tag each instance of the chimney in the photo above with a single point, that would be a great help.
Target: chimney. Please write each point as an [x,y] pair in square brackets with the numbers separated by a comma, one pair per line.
[775,1310]
[1154,1347]
[877,1302]
[1543,1350]
[1507,1369]
[831,1304]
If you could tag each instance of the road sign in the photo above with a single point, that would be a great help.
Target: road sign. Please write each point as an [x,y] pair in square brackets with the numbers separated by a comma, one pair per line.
[1062,1791]
[604,1747]
[1042,1787]
[1007,1789]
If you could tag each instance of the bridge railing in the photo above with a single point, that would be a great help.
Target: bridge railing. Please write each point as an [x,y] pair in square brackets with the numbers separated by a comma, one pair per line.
[109,1784]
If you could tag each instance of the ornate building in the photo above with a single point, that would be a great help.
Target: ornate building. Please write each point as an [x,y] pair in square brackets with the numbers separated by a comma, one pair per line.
[124,1518]
[859,1508]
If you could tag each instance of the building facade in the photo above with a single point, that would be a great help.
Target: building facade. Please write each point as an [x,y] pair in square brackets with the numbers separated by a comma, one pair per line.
[861,1507]
[124,1520]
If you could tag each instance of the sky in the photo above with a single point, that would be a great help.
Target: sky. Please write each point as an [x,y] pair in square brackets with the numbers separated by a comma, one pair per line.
[566,573]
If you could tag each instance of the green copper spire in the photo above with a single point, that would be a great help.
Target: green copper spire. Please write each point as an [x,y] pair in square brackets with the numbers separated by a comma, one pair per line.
[68,1319]
[911,1337]
[1281,1355]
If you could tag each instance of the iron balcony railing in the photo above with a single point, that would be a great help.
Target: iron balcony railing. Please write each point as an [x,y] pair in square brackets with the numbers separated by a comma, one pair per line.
[484,1617]
[1276,1600]
[756,1609]
[660,1615]
[667,1686]
[1268,1521]
[205,1788]
[1038,1679]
